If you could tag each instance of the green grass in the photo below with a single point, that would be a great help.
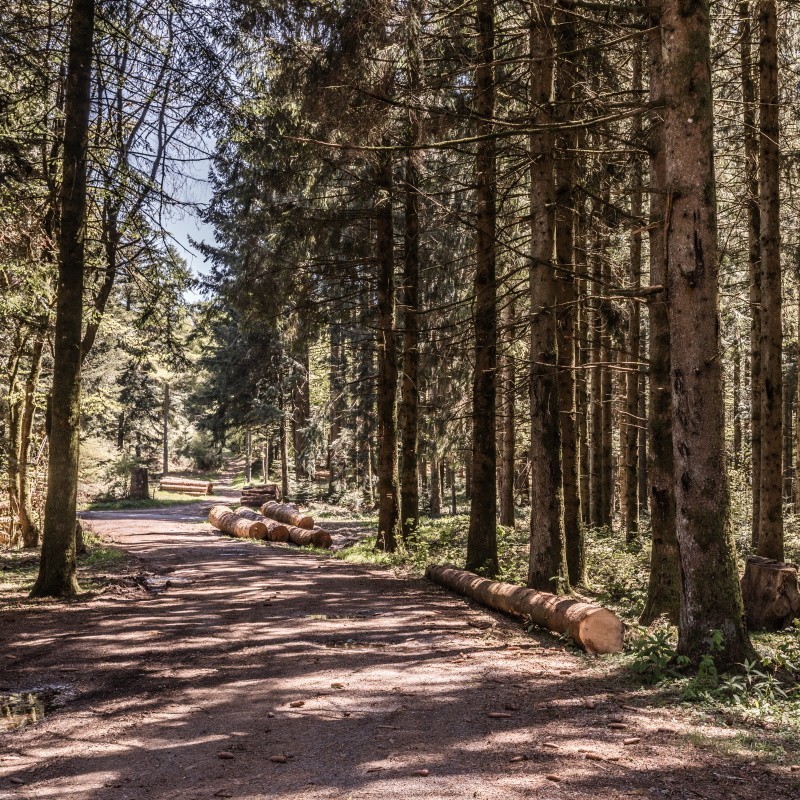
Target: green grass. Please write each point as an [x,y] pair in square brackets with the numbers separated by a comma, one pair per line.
[161,500]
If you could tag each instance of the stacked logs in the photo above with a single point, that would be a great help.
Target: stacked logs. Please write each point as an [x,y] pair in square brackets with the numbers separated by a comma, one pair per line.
[276,531]
[248,524]
[225,520]
[256,496]
[302,530]
[185,486]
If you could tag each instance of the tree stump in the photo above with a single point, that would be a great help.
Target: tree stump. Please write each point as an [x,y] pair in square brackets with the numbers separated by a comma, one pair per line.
[140,484]
[770,592]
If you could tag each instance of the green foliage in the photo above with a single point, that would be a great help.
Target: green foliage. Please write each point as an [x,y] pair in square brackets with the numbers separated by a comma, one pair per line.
[204,454]
[654,658]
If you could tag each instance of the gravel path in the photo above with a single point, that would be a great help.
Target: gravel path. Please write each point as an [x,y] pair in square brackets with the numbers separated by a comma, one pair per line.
[259,671]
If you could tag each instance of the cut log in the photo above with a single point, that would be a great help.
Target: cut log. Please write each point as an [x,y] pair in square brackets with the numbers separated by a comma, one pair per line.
[595,629]
[770,593]
[285,513]
[310,537]
[224,519]
[276,531]
[186,485]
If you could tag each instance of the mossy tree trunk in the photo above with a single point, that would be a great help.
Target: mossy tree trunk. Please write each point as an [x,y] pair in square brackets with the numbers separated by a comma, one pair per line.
[710,595]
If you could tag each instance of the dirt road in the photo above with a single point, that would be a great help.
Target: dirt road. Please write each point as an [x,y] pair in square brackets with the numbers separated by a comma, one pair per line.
[263,672]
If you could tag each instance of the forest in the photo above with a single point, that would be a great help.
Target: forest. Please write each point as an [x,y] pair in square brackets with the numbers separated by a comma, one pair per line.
[500,298]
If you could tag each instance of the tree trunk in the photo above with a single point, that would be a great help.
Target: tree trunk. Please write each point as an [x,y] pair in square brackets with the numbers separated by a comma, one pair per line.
[711,598]
[630,458]
[287,514]
[547,568]
[28,530]
[224,519]
[57,568]
[165,431]
[664,588]
[435,485]
[482,536]
[596,377]
[770,534]
[737,402]
[606,374]
[507,411]
[753,253]
[388,502]
[409,394]
[248,456]
[582,406]
[789,391]
[566,293]
[284,444]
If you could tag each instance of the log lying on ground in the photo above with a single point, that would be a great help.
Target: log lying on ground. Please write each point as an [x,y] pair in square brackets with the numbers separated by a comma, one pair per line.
[770,592]
[595,629]
[276,531]
[285,513]
[310,537]
[223,518]
[185,485]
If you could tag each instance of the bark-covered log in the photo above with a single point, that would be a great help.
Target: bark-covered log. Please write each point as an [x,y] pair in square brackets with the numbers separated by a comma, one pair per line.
[770,592]
[140,486]
[287,514]
[181,485]
[593,628]
[224,519]
[314,537]
[276,531]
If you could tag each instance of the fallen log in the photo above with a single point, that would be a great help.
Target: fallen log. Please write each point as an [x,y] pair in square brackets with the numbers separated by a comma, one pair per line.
[224,519]
[595,629]
[770,593]
[310,537]
[276,531]
[180,484]
[285,513]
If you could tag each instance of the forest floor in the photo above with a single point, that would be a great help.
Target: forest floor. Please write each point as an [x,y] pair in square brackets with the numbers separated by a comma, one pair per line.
[199,666]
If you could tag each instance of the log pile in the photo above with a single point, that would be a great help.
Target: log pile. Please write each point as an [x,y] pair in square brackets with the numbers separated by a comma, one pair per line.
[310,537]
[770,593]
[595,629]
[255,496]
[185,486]
[225,520]
[287,513]
[276,531]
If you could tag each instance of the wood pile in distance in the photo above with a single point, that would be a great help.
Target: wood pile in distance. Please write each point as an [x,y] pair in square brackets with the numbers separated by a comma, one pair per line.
[255,496]
[185,486]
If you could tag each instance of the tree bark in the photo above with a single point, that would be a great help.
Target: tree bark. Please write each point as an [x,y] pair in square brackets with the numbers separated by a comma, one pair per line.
[753,253]
[664,587]
[57,568]
[547,568]
[508,422]
[388,501]
[566,292]
[482,535]
[409,392]
[737,401]
[165,430]
[711,597]
[770,534]
[630,458]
